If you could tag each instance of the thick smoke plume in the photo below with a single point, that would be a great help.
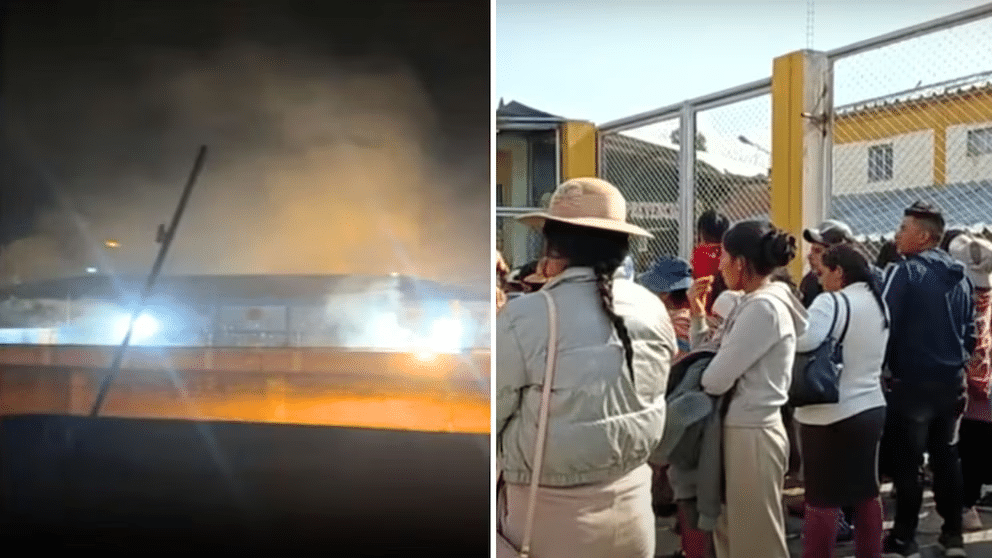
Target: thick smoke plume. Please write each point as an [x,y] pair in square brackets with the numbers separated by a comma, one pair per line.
[315,165]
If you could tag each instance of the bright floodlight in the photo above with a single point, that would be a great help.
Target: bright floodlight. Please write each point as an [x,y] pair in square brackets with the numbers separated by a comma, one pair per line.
[446,335]
[145,327]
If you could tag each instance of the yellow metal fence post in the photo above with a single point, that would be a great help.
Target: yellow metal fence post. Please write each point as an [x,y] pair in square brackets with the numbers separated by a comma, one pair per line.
[578,150]
[801,101]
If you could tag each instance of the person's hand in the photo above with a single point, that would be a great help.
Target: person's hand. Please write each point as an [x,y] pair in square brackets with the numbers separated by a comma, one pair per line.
[698,292]
[542,267]
[549,267]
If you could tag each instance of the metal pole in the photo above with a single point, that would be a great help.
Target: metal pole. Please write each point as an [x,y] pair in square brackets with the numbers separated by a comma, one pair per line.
[827,190]
[711,100]
[687,179]
[166,240]
[939,24]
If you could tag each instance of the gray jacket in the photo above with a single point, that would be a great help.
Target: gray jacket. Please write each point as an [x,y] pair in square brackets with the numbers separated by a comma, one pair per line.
[603,423]
[692,443]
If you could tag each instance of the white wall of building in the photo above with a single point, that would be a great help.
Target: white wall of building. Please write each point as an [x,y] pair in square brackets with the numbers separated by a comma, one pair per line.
[960,166]
[912,164]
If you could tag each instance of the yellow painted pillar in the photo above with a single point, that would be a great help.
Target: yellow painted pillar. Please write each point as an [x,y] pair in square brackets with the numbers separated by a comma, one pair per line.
[578,150]
[801,99]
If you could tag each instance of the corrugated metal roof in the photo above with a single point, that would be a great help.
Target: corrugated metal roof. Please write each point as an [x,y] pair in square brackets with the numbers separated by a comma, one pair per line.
[725,165]
[955,87]
[513,109]
[965,205]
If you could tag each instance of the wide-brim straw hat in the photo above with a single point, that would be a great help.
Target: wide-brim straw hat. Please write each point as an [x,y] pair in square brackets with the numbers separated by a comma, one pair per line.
[586,202]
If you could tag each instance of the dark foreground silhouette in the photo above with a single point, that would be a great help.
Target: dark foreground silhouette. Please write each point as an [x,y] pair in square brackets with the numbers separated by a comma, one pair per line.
[171,485]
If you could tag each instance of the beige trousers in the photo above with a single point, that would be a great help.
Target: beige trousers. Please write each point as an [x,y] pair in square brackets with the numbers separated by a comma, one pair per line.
[752,523]
[607,520]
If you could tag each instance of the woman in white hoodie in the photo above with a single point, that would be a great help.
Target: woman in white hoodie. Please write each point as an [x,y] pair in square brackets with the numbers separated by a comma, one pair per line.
[757,346]
[840,440]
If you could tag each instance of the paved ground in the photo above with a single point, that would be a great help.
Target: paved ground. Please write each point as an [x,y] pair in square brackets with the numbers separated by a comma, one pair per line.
[978,544]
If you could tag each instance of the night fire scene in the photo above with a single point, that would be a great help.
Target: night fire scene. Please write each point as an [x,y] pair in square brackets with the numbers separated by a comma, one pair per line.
[245,276]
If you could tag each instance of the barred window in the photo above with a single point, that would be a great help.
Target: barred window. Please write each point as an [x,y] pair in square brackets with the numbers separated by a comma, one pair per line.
[979,142]
[880,162]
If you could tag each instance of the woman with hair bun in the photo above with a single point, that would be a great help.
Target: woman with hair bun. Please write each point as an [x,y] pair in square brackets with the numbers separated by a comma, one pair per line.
[753,366]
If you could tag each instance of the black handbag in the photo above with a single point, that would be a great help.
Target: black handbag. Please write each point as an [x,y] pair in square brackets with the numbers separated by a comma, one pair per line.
[816,374]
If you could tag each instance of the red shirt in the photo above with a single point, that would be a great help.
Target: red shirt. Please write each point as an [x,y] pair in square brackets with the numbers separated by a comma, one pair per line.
[705,260]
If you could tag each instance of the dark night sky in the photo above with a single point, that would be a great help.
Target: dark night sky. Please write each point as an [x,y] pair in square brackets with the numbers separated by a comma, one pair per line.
[318,118]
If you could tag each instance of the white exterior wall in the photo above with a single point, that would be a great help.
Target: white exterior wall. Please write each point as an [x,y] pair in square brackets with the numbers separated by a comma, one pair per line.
[912,164]
[961,167]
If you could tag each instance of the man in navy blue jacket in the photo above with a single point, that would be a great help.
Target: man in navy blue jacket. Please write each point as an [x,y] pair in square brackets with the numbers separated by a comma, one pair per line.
[931,338]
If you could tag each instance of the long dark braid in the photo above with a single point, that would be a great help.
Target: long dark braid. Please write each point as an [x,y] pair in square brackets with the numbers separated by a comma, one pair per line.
[604,283]
[604,252]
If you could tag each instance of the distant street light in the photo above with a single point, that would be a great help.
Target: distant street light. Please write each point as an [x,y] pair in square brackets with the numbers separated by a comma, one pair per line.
[746,141]
[90,270]
[112,244]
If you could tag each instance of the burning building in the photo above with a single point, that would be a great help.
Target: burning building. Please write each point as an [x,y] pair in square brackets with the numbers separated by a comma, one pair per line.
[392,313]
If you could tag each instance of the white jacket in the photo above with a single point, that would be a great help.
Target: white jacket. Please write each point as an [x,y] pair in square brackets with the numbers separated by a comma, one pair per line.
[863,353]
[601,425]
[757,349]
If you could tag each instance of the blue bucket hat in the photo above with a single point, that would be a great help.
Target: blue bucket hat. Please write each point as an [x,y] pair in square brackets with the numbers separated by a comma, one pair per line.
[666,275]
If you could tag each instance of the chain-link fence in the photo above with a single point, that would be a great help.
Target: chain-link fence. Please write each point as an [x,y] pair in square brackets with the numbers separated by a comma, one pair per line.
[644,164]
[668,186]
[912,120]
[737,144]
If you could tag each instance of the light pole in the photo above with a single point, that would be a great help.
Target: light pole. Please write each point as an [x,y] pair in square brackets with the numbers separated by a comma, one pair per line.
[745,141]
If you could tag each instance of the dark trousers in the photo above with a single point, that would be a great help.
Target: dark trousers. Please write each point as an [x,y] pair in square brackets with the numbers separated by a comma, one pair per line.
[790,430]
[976,462]
[922,418]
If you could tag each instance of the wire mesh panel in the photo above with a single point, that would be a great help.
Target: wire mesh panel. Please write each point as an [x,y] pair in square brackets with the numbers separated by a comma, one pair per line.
[913,121]
[644,164]
[733,160]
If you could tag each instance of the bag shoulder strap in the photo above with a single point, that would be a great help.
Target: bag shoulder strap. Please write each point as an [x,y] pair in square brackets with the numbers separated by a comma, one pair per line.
[833,324]
[542,422]
[847,318]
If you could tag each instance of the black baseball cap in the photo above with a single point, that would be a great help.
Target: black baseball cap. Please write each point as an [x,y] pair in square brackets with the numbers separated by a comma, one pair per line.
[829,232]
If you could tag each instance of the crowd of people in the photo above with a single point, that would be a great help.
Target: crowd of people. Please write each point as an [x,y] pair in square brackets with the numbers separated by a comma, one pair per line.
[671,387]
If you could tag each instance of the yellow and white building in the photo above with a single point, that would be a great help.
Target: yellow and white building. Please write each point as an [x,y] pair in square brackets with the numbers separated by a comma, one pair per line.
[933,143]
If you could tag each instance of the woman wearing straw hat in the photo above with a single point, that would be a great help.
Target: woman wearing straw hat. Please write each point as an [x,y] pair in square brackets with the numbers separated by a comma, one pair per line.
[613,346]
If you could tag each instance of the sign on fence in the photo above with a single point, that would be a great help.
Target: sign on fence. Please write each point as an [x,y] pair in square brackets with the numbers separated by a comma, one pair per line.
[652,210]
